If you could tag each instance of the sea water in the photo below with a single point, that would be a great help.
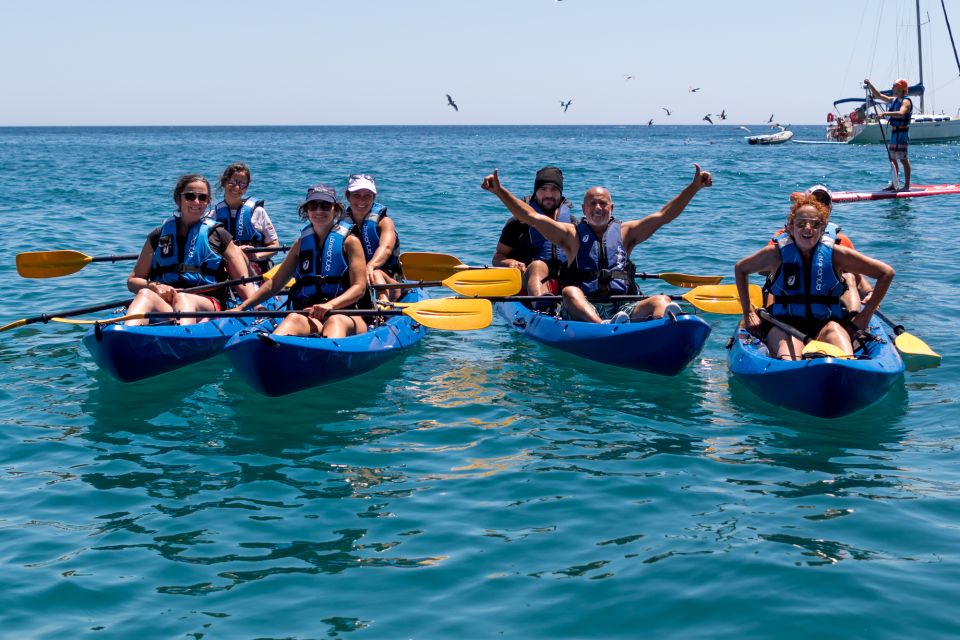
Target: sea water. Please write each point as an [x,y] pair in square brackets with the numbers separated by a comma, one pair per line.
[480,485]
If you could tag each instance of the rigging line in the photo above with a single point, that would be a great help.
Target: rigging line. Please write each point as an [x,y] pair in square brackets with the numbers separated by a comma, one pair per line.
[876,41]
[950,31]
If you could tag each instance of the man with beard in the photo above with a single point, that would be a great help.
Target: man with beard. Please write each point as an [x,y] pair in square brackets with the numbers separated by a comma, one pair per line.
[523,247]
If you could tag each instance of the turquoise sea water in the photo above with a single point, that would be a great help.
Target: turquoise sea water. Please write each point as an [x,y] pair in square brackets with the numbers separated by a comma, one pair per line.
[479,486]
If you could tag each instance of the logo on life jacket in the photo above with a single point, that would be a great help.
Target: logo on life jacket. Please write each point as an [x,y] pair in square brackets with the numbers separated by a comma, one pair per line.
[166,246]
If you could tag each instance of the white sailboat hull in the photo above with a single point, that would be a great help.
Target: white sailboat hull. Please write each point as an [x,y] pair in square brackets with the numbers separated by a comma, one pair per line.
[922,129]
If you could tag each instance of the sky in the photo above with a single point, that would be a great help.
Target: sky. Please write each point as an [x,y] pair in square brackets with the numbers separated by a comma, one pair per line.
[392,62]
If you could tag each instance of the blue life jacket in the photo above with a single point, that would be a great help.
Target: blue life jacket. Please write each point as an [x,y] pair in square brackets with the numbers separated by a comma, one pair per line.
[808,292]
[900,124]
[370,238]
[543,249]
[321,275]
[240,225]
[201,264]
[602,266]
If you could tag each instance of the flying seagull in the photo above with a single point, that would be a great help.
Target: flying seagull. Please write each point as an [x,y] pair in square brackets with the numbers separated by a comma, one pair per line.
[667,110]
[566,105]
[694,89]
[627,76]
[771,119]
[650,122]
[745,129]
[452,103]
[707,118]
[723,114]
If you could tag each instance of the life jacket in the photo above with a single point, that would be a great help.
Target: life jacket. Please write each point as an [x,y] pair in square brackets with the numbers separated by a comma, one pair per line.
[324,274]
[240,224]
[602,266]
[900,124]
[201,264]
[808,292]
[543,249]
[370,237]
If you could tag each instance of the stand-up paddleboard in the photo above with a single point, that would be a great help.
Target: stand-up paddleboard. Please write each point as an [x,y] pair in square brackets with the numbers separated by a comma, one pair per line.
[916,191]
[818,142]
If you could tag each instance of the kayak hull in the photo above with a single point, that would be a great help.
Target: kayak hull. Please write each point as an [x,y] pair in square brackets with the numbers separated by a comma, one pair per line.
[821,387]
[132,353]
[281,365]
[664,346]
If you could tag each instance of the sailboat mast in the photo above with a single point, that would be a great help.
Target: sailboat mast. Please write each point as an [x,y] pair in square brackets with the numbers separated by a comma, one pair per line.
[920,53]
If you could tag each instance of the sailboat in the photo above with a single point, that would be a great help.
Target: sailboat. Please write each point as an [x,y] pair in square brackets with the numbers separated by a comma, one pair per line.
[861,126]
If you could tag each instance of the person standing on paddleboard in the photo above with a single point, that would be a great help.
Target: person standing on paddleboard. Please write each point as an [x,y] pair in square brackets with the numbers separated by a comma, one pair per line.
[898,114]
[523,247]
[598,250]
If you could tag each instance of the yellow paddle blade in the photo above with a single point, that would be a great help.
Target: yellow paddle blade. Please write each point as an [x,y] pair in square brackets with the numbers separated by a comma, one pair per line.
[422,265]
[687,280]
[451,314]
[909,344]
[825,349]
[485,282]
[13,325]
[721,298]
[50,264]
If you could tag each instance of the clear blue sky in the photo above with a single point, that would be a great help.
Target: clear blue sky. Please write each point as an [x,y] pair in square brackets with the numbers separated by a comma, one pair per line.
[100,62]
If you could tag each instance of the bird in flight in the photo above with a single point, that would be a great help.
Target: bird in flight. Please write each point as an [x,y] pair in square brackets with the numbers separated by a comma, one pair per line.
[723,114]
[771,119]
[650,122]
[707,118]
[452,103]
[745,129]
[667,110]
[627,76]
[694,89]
[566,105]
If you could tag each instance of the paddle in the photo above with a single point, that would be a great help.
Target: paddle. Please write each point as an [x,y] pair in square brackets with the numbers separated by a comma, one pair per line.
[474,282]
[451,314]
[422,265]
[811,347]
[895,177]
[920,355]
[718,298]
[52,264]
[47,317]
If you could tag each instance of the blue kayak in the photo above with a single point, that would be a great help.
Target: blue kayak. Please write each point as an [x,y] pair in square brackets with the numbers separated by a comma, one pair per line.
[822,387]
[131,353]
[665,346]
[278,365]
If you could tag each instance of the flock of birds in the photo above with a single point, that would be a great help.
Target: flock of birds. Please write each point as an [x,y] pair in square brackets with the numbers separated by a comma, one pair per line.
[565,104]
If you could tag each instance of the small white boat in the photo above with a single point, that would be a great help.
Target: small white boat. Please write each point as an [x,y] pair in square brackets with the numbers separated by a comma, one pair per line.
[771,138]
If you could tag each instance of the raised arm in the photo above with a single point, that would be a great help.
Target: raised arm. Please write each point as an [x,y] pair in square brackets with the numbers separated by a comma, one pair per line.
[560,233]
[636,231]
[876,94]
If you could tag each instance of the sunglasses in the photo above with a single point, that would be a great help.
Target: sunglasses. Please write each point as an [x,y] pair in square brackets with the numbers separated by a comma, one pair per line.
[238,185]
[321,206]
[361,176]
[813,224]
[190,196]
